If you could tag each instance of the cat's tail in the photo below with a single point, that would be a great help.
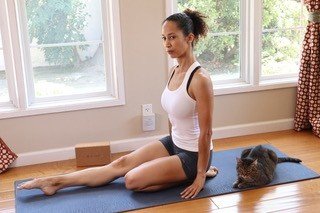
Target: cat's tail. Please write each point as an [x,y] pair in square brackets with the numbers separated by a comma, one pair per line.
[288,159]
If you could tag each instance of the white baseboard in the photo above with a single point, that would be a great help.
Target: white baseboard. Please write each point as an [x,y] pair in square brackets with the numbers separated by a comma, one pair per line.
[44,156]
[51,155]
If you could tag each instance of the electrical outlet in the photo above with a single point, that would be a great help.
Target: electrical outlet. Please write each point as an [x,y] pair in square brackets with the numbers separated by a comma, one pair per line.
[147,109]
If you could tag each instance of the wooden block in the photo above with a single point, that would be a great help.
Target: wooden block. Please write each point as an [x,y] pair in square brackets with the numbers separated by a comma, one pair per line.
[93,154]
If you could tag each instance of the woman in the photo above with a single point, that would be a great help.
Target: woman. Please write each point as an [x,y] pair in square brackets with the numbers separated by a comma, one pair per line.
[185,154]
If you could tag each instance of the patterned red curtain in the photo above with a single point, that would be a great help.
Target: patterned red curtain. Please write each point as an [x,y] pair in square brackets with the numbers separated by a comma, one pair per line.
[308,93]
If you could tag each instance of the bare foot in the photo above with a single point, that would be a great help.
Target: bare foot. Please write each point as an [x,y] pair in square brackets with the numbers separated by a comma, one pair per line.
[212,172]
[48,185]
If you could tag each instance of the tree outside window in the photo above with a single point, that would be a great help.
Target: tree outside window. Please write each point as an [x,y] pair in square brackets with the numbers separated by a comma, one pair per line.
[66,46]
[220,51]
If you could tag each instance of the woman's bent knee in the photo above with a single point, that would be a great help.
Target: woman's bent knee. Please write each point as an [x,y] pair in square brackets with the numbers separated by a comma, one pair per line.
[132,182]
[129,181]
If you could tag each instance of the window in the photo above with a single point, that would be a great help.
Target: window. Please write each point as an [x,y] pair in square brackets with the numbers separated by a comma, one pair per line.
[68,56]
[4,95]
[66,48]
[252,44]
[283,26]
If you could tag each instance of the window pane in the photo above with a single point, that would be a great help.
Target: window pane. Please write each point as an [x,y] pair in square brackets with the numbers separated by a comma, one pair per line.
[84,75]
[4,95]
[283,30]
[63,21]
[66,47]
[219,52]
[281,52]
[283,14]
[219,57]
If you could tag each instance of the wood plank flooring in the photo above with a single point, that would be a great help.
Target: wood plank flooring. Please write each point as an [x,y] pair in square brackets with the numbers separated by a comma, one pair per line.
[301,196]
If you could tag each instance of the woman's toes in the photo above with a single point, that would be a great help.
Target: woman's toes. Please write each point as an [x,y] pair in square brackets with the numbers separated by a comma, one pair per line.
[27,185]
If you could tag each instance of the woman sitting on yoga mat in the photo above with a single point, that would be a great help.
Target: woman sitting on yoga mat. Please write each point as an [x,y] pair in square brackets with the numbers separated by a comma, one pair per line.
[185,155]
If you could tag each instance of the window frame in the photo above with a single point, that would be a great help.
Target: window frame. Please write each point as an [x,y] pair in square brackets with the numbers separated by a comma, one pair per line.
[250,55]
[8,58]
[18,66]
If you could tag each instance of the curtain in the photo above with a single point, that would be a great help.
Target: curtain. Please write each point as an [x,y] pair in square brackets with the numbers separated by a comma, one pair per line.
[6,156]
[308,92]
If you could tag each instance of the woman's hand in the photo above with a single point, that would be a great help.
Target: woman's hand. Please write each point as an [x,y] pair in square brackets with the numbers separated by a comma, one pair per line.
[193,190]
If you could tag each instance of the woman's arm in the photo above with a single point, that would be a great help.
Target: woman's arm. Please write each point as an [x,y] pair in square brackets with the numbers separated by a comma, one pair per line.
[202,91]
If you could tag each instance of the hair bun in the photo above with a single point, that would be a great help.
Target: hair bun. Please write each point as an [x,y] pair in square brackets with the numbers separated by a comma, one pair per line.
[198,19]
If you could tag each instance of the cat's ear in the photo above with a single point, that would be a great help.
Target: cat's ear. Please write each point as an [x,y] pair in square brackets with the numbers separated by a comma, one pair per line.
[255,162]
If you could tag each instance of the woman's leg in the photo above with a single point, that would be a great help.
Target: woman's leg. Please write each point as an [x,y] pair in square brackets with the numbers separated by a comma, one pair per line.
[99,175]
[212,172]
[159,174]
[156,174]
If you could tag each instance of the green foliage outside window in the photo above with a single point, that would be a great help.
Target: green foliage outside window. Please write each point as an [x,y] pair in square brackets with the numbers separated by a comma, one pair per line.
[282,46]
[56,22]
[221,53]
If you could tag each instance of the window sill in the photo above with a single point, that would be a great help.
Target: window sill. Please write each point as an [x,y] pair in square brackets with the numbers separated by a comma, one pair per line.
[62,106]
[227,89]
[92,103]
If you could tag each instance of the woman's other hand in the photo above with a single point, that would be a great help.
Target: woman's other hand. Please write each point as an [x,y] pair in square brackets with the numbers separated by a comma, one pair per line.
[193,190]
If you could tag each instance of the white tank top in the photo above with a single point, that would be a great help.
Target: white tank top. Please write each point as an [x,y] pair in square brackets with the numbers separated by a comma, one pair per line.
[183,114]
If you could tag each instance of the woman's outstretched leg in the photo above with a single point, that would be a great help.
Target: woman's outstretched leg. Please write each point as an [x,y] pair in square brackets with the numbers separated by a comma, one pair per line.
[97,176]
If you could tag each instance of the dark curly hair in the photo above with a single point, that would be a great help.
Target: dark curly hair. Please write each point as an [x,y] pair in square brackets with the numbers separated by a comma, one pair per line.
[190,21]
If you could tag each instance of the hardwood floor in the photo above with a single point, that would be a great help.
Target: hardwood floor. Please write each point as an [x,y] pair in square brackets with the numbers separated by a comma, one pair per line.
[303,196]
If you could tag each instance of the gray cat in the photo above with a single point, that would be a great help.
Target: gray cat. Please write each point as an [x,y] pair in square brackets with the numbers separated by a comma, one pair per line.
[257,165]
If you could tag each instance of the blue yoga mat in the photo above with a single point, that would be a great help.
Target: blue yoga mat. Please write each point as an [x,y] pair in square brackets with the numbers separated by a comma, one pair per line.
[114,197]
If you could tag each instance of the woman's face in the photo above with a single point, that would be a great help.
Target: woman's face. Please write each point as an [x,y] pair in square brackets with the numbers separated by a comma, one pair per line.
[175,42]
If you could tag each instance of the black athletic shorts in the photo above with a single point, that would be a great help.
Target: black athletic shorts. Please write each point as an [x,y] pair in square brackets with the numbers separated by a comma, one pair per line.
[188,159]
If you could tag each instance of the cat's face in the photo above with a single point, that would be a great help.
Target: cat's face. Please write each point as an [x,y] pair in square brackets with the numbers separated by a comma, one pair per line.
[247,169]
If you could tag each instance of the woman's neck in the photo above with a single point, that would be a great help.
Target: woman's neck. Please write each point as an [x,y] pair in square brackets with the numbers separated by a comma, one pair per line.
[185,62]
